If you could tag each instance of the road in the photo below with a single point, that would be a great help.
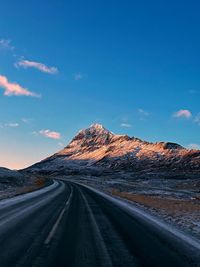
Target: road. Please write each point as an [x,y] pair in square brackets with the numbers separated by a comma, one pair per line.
[67,224]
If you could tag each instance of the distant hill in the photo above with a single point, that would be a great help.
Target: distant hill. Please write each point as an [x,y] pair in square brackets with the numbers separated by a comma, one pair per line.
[10,177]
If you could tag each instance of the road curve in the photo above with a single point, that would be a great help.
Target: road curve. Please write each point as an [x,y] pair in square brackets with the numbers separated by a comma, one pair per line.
[67,224]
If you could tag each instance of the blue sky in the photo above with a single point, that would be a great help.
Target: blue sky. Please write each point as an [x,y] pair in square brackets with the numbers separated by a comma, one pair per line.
[133,66]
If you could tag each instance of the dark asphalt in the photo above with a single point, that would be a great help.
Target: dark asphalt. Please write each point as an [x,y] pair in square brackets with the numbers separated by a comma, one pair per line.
[71,225]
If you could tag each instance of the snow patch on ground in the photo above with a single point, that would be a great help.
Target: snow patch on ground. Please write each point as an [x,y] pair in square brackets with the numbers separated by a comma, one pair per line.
[7,202]
[176,202]
[134,211]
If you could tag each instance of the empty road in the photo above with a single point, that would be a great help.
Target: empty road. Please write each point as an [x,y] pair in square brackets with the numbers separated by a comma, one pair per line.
[67,224]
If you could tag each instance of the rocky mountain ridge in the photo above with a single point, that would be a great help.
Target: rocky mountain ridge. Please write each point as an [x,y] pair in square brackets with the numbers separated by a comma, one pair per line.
[96,149]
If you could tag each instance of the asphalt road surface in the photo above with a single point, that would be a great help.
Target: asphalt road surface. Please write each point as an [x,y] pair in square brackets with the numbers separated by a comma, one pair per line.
[67,224]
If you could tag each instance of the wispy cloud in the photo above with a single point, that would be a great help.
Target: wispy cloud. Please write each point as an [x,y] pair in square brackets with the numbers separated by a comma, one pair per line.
[194,146]
[26,120]
[12,124]
[12,88]
[197,119]
[6,44]
[183,113]
[78,76]
[126,125]
[9,125]
[143,112]
[36,65]
[50,134]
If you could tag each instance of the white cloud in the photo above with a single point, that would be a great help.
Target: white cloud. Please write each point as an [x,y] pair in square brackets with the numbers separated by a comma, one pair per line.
[143,112]
[6,44]
[183,113]
[194,146]
[36,65]
[12,124]
[126,125]
[14,88]
[50,134]
[9,125]
[78,76]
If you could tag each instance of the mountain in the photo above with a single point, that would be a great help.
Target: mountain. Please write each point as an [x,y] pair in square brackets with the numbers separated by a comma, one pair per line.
[96,150]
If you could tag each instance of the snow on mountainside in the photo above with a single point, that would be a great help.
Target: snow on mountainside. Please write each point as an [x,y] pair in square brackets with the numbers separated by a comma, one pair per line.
[97,149]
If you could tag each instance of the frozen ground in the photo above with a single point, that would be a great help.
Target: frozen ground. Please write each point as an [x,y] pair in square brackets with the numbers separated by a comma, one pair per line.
[13,183]
[175,201]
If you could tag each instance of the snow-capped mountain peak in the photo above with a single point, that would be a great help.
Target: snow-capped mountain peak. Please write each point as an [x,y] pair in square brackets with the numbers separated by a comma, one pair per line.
[96,134]
[98,148]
